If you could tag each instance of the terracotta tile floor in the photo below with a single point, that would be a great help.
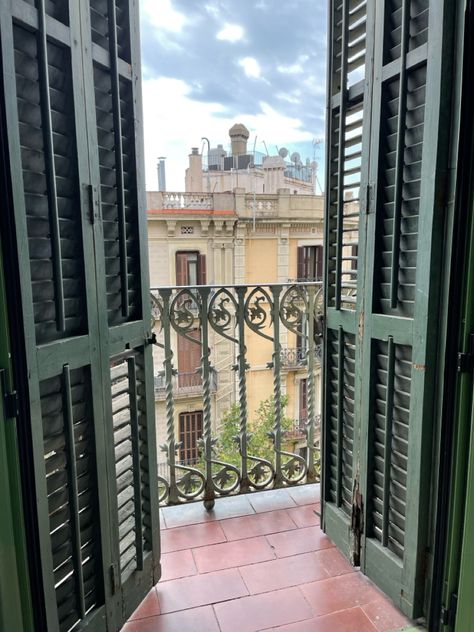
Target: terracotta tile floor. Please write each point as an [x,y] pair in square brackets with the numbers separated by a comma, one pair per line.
[258,562]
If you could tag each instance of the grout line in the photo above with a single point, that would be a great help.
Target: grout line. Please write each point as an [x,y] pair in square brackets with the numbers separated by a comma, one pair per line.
[216,617]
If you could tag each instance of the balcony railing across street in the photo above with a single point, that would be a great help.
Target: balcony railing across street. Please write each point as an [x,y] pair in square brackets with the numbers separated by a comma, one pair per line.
[183,383]
[235,313]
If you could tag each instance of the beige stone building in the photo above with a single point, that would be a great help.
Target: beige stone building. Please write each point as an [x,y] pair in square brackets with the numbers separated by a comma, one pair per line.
[225,239]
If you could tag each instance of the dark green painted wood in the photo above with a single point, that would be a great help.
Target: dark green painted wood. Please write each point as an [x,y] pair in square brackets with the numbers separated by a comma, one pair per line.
[15,602]
[86,352]
[395,321]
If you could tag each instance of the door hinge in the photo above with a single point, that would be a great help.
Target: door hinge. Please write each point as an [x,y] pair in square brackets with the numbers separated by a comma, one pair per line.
[357,523]
[10,398]
[93,203]
[114,578]
[448,615]
[465,359]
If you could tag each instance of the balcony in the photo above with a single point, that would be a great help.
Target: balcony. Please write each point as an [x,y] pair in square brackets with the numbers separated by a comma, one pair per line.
[258,562]
[252,325]
[185,384]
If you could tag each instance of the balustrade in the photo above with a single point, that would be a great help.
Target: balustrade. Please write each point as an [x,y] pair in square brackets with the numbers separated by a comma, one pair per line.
[240,315]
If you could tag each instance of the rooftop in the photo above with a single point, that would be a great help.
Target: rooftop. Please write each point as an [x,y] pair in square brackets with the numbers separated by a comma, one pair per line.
[258,562]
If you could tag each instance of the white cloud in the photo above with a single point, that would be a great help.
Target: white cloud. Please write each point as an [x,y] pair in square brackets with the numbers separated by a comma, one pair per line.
[162,15]
[231,33]
[294,69]
[174,123]
[251,67]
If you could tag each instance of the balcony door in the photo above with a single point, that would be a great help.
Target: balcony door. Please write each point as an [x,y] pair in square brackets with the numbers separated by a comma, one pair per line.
[71,109]
[388,146]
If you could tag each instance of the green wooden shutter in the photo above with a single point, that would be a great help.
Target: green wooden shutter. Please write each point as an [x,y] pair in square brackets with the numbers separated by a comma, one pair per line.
[348,127]
[379,457]
[113,97]
[85,305]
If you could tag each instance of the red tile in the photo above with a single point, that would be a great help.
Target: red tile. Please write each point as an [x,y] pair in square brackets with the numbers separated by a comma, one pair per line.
[271,500]
[305,494]
[195,620]
[304,516]
[334,562]
[231,554]
[191,536]
[258,524]
[385,616]
[262,611]
[283,573]
[353,620]
[149,607]
[200,590]
[339,593]
[301,541]
[177,564]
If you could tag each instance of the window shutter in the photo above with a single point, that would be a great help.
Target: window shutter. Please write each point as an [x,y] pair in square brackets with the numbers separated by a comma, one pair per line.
[73,124]
[201,269]
[319,263]
[378,419]
[181,268]
[300,267]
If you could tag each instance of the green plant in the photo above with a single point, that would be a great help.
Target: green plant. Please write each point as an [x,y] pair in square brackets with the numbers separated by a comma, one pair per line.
[260,429]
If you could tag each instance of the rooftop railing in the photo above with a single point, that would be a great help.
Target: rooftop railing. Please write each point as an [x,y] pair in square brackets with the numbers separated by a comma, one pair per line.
[241,315]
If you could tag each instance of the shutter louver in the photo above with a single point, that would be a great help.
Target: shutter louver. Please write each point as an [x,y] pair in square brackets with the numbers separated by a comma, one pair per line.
[56,260]
[300,264]
[69,456]
[391,395]
[400,197]
[181,268]
[131,462]
[340,429]
[201,269]
[100,22]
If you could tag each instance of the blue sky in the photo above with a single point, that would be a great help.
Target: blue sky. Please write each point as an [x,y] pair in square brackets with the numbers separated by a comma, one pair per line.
[208,64]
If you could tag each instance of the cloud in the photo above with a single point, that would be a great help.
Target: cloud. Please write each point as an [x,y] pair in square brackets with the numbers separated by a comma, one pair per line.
[230,33]
[170,130]
[251,67]
[161,15]
[277,59]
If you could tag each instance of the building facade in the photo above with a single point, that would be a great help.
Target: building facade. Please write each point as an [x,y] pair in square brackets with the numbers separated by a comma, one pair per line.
[227,239]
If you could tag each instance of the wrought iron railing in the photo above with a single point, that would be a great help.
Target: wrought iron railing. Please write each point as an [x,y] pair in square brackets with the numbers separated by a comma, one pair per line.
[238,315]
[293,357]
[184,383]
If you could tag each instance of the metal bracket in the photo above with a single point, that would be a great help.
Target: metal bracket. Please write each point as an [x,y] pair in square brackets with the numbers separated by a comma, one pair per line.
[448,615]
[114,578]
[10,398]
[357,522]
[465,359]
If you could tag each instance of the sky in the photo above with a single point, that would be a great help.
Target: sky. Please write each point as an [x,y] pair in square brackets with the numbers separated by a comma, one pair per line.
[208,64]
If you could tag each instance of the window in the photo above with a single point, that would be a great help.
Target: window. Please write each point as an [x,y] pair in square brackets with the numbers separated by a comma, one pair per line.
[189,360]
[190,268]
[190,431]
[310,263]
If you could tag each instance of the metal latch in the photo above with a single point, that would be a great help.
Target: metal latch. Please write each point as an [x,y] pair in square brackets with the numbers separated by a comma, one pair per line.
[10,398]
[448,615]
[357,523]
[114,578]
[465,361]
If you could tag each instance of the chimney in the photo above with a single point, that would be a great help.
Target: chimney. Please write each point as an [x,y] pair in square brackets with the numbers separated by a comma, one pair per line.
[239,136]
[161,174]
[194,174]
